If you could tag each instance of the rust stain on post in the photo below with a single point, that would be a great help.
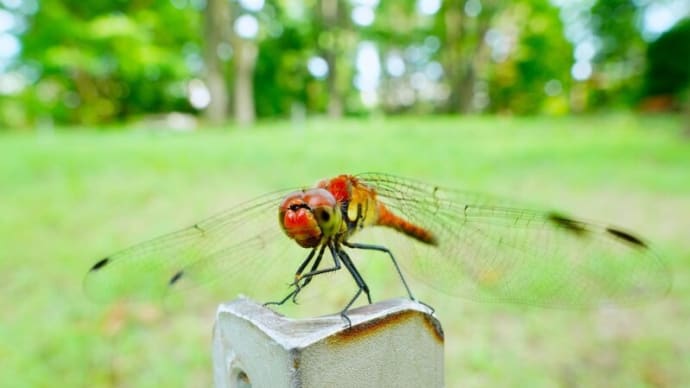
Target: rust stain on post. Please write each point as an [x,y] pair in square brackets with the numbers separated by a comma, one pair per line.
[369,328]
[434,327]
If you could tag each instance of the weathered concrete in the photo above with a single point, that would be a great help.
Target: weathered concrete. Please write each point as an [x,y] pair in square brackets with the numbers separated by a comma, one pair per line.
[394,343]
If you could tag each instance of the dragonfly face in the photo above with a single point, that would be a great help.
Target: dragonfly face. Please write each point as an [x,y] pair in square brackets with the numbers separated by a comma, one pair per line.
[309,216]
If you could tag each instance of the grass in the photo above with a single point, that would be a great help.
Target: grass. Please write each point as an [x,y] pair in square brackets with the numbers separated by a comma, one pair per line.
[69,197]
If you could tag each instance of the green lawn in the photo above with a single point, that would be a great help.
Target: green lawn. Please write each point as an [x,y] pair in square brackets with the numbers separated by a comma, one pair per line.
[68,198]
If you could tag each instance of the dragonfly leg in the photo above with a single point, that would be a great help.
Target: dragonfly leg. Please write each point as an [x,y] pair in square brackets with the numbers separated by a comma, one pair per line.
[315,272]
[386,250]
[298,274]
[361,285]
[280,302]
[347,262]
[306,278]
[397,268]
[305,281]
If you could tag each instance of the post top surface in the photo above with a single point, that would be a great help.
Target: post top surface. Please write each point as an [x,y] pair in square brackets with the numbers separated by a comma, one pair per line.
[299,333]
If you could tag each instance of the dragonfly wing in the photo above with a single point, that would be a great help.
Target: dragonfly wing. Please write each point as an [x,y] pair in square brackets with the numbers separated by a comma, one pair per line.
[237,246]
[492,250]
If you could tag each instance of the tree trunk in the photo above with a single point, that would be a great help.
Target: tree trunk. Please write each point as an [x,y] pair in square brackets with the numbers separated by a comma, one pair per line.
[217,22]
[330,22]
[335,97]
[686,108]
[452,63]
[464,52]
[464,90]
[243,97]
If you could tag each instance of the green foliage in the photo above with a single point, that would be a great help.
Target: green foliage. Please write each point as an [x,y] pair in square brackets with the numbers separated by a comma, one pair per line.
[518,83]
[614,21]
[619,63]
[668,62]
[105,61]
[101,61]
[282,82]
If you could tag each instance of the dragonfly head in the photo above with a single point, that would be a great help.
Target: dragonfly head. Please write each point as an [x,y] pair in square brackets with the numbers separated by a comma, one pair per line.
[308,216]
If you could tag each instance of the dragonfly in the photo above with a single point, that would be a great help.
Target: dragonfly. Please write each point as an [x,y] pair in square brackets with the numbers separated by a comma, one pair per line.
[461,243]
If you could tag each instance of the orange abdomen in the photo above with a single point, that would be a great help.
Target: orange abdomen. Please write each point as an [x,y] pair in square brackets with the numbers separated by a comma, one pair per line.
[391,220]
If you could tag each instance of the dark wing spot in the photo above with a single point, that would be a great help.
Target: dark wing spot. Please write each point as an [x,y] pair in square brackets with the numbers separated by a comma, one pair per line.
[567,223]
[627,237]
[175,277]
[100,264]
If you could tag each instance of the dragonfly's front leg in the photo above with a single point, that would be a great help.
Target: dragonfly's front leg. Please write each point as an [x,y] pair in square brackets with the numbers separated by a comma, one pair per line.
[298,275]
[304,278]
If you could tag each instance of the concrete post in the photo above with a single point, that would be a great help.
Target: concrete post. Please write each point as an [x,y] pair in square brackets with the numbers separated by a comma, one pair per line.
[394,343]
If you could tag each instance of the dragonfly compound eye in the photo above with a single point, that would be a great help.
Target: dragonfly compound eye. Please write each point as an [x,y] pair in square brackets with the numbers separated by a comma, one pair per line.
[323,214]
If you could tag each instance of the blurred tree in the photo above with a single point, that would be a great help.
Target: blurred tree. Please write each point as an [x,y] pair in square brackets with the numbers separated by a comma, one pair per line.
[334,25]
[217,37]
[527,69]
[408,46]
[282,84]
[101,61]
[619,61]
[296,35]
[246,32]
[462,26]
[667,78]
[668,62]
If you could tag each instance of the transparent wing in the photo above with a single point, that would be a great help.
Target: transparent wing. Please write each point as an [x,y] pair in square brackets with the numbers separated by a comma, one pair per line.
[238,246]
[490,250]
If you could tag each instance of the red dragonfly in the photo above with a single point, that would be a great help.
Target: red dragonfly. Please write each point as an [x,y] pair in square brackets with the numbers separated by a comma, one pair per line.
[461,243]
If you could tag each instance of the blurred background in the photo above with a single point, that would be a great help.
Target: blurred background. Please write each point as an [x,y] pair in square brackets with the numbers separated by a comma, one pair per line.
[105,62]
[123,120]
